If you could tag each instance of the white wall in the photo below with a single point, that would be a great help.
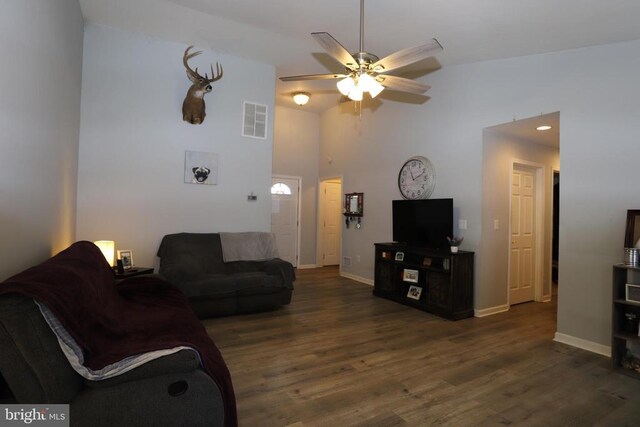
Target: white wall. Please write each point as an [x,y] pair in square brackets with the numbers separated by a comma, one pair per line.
[499,153]
[296,147]
[595,90]
[40,80]
[133,142]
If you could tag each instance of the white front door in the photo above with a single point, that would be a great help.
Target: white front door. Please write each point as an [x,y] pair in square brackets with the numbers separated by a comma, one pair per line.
[332,222]
[285,194]
[523,234]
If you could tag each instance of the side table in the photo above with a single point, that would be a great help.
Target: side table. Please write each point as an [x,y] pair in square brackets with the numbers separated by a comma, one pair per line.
[135,271]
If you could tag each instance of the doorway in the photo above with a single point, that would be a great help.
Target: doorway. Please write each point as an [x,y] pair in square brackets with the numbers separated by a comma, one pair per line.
[507,147]
[555,262]
[285,216]
[525,234]
[330,222]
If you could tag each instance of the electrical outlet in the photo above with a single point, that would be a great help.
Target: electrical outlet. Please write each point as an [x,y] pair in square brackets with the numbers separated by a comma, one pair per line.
[496,224]
[462,224]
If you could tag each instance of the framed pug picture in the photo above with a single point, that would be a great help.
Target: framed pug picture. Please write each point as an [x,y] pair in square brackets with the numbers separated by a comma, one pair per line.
[200,168]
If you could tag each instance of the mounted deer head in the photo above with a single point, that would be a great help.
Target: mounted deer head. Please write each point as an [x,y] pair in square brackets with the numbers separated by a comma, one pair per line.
[193,106]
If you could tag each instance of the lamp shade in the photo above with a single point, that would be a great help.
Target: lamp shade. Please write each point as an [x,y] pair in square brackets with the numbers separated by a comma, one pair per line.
[345,85]
[301,98]
[355,94]
[107,247]
[375,88]
[366,82]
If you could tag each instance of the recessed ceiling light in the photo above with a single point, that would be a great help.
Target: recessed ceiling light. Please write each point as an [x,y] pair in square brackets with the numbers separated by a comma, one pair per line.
[543,127]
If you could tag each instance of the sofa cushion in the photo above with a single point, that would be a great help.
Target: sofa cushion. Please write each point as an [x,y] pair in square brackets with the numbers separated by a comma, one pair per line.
[190,255]
[219,285]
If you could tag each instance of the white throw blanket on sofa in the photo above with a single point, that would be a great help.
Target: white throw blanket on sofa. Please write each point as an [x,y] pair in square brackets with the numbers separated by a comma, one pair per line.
[248,246]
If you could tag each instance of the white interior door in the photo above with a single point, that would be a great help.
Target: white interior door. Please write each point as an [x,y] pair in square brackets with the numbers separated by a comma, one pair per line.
[523,235]
[285,196]
[332,222]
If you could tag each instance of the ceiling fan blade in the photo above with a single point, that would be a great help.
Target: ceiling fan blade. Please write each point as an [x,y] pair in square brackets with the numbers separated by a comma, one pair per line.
[406,56]
[313,77]
[402,84]
[335,49]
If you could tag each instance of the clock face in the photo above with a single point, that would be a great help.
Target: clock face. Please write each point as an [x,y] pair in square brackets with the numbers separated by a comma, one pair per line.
[417,178]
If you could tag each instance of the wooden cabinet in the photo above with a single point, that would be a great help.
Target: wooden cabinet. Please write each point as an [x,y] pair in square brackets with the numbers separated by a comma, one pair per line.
[626,319]
[439,282]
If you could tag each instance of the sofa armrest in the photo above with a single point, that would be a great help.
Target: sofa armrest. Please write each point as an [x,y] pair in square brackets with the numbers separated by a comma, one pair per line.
[181,362]
[191,399]
[281,268]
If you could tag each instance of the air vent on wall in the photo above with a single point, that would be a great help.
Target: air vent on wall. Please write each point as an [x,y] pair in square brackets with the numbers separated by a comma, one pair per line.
[255,120]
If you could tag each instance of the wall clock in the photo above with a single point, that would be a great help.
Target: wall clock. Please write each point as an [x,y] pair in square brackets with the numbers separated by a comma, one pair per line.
[417,178]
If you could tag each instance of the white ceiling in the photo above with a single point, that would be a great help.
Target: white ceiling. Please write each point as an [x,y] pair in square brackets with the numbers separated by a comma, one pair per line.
[278,31]
[525,130]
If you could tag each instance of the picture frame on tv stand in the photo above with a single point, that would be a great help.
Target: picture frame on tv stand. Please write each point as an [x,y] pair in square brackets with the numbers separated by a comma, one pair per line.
[414,292]
[411,276]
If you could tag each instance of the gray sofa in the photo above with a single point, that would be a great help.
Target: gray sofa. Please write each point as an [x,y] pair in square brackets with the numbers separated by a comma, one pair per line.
[194,263]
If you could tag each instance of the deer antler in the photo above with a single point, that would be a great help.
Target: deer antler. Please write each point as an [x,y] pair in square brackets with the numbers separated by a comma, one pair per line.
[213,75]
[185,60]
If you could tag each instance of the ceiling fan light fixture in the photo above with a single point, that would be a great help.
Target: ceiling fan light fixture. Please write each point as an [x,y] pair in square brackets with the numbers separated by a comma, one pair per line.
[365,82]
[364,72]
[375,88]
[301,98]
[355,94]
[346,85]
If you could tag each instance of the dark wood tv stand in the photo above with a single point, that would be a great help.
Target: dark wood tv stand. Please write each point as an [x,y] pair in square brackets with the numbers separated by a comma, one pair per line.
[444,279]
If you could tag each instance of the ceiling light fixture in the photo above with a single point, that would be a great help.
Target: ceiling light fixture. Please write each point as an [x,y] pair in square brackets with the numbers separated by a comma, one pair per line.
[301,98]
[355,85]
[365,72]
[543,127]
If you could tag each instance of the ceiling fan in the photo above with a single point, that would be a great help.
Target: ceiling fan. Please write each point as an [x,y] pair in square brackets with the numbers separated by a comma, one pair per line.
[365,72]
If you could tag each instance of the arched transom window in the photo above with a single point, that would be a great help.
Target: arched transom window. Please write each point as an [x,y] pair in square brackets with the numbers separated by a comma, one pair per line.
[280,188]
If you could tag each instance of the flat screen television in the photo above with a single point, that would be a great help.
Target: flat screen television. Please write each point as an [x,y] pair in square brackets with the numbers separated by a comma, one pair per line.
[425,222]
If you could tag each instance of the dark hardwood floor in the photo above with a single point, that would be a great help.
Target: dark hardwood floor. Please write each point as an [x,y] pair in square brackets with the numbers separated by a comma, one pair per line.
[339,356]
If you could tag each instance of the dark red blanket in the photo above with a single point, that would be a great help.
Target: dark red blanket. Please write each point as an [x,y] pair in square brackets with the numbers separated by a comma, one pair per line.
[112,322]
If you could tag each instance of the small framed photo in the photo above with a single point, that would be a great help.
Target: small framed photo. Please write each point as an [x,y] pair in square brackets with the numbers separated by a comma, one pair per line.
[126,256]
[414,292]
[399,256]
[410,275]
[200,168]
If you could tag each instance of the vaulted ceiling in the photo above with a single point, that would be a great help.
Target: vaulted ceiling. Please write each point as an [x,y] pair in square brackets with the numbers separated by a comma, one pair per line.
[278,31]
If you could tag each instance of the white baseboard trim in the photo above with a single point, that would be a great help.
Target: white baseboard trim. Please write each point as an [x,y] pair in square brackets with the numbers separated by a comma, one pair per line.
[491,310]
[591,346]
[357,278]
[306,266]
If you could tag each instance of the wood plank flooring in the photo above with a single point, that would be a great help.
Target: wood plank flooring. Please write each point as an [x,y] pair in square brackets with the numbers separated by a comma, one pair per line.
[338,356]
